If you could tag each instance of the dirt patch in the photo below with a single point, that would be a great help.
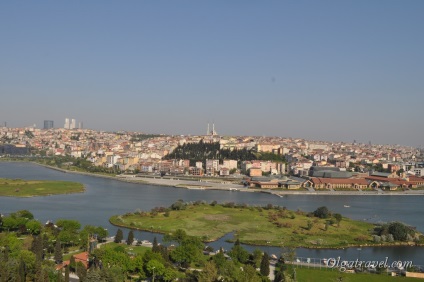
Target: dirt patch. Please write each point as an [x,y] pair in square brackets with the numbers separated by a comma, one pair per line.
[220,217]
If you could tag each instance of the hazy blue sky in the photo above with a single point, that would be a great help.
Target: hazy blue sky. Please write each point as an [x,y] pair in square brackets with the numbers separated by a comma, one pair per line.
[322,70]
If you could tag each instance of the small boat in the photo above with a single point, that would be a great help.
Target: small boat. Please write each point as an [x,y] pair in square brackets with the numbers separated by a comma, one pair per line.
[346,206]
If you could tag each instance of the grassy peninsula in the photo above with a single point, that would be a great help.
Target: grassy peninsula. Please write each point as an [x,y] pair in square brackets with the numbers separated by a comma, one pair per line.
[270,225]
[34,188]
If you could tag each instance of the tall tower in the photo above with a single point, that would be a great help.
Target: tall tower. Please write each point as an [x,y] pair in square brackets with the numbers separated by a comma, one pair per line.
[207,132]
[48,124]
[67,125]
[73,124]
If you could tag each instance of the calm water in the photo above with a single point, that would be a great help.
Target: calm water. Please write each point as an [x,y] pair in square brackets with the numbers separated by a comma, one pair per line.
[105,197]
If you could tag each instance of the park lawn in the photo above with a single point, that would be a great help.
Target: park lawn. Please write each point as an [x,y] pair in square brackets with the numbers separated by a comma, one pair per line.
[33,188]
[313,275]
[252,226]
[129,249]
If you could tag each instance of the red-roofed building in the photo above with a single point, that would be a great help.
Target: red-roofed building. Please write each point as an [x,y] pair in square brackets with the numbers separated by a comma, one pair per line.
[334,183]
[81,257]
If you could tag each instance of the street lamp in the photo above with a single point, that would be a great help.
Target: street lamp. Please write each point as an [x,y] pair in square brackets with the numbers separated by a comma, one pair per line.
[153,274]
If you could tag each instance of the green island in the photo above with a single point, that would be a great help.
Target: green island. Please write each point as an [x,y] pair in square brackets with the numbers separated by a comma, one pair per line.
[269,225]
[34,188]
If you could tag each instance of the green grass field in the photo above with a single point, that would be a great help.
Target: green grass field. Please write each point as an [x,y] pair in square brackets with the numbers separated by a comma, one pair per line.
[128,249]
[254,226]
[34,188]
[316,275]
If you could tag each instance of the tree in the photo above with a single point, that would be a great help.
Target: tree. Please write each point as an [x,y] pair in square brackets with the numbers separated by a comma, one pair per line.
[264,269]
[322,212]
[188,251]
[326,225]
[67,237]
[58,255]
[309,225]
[81,271]
[119,236]
[256,258]
[66,273]
[68,225]
[171,274]
[155,268]
[209,272]
[22,273]
[130,238]
[155,246]
[398,230]
[93,276]
[72,264]
[59,276]
[338,218]
[219,260]
[33,226]
[24,213]
[238,253]
[37,247]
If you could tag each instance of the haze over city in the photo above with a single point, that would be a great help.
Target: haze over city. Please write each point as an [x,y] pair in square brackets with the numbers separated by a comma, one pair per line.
[321,70]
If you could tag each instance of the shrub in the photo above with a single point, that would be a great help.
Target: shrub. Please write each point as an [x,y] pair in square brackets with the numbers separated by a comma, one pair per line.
[376,239]
[399,231]
[322,212]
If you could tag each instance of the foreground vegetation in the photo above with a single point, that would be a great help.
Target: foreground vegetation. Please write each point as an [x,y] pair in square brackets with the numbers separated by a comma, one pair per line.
[32,188]
[269,225]
[31,251]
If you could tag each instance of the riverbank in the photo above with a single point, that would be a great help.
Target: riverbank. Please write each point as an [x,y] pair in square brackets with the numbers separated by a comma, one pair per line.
[224,185]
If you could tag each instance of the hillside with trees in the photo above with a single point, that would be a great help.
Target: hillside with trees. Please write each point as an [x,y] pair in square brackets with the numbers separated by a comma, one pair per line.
[201,151]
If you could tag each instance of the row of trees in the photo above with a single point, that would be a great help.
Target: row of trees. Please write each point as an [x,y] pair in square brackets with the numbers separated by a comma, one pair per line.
[201,151]
[32,255]
[183,262]
[30,251]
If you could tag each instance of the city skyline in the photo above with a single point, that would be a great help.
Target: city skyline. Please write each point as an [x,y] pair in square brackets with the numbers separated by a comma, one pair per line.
[327,70]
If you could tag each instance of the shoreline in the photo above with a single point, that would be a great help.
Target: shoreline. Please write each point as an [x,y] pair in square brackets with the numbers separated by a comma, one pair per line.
[210,185]
[364,245]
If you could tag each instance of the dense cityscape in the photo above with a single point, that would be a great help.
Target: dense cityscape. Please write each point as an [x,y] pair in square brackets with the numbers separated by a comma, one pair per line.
[264,162]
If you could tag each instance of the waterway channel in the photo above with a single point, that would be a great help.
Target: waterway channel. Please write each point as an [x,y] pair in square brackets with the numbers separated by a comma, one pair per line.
[106,197]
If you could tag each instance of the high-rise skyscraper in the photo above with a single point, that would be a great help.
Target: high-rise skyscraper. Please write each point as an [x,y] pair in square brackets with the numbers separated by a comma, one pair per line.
[48,124]
[66,126]
[73,124]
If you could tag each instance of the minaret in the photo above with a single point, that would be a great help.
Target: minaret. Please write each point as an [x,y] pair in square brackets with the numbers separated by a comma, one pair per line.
[213,128]
[207,132]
